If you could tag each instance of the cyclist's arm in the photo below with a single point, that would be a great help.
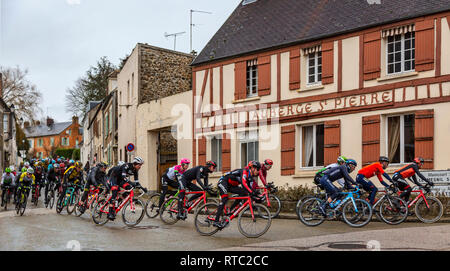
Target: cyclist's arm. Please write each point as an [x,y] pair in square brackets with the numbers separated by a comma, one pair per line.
[421,175]
[199,179]
[245,181]
[262,178]
[346,176]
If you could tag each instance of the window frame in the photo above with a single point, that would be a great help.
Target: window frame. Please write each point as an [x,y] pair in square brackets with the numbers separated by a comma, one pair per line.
[402,137]
[315,166]
[252,89]
[402,52]
[244,138]
[217,156]
[316,67]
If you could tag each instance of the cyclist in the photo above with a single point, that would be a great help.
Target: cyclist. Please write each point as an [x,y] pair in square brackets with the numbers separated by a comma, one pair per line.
[73,175]
[26,179]
[371,170]
[119,178]
[26,165]
[319,174]
[96,178]
[266,166]
[52,173]
[409,171]
[333,174]
[39,178]
[8,181]
[239,181]
[185,182]
[171,178]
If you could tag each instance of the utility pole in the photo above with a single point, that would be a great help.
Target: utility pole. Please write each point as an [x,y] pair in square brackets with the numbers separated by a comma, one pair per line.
[192,24]
[174,35]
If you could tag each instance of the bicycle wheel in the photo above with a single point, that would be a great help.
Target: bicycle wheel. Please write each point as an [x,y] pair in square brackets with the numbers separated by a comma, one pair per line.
[51,198]
[275,205]
[72,201]
[256,225]
[357,215]
[4,200]
[100,213]
[59,204]
[309,212]
[430,211]
[299,202]
[393,210]
[23,205]
[169,210]
[205,216]
[152,205]
[133,217]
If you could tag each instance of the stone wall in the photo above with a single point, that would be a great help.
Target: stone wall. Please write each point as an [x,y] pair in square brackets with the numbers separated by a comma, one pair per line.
[163,73]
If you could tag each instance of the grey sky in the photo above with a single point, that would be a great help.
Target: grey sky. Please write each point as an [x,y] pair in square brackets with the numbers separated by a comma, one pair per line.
[58,40]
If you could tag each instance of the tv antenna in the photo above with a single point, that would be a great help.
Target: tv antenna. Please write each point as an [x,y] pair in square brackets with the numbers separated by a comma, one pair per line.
[192,24]
[174,35]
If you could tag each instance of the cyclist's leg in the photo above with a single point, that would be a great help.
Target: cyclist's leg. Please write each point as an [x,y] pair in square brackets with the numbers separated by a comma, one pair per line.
[164,189]
[368,186]
[182,185]
[223,192]
[196,188]
[331,190]
[113,200]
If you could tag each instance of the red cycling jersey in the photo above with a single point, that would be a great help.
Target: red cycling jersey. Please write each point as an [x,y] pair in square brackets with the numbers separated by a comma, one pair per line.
[372,170]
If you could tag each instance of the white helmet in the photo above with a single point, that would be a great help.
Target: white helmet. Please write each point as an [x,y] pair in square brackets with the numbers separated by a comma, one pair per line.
[138,160]
[120,163]
[30,170]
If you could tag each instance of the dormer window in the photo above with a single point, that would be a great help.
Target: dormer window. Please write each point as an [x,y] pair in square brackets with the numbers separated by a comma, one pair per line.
[246,2]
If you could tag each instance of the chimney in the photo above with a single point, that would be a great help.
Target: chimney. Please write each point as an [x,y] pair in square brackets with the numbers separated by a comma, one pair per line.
[26,124]
[50,121]
[75,120]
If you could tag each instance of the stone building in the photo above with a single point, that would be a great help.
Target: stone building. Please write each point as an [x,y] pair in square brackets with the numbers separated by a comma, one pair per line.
[8,145]
[152,81]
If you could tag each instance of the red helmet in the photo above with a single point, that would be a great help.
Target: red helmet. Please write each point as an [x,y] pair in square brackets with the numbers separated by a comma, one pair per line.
[185,161]
[268,162]
[211,163]
[62,165]
[419,160]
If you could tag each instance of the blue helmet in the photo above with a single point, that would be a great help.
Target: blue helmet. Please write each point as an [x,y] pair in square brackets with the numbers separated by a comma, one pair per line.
[351,162]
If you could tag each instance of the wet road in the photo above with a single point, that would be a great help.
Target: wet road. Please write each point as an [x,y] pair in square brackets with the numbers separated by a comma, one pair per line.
[42,229]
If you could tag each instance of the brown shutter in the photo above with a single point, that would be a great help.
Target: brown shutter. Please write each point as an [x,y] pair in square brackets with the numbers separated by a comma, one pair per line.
[425,45]
[370,139]
[264,75]
[202,150]
[327,63]
[226,153]
[372,55]
[424,135]
[288,150]
[240,80]
[332,141]
[294,69]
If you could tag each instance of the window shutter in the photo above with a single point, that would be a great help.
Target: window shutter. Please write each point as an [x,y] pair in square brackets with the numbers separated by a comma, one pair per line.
[425,45]
[294,69]
[370,139]
[264,75]
[332,141]
[424,135]
[226,153]
[372,55]
[202,150]
[240,80]
[327,63]
[288,150]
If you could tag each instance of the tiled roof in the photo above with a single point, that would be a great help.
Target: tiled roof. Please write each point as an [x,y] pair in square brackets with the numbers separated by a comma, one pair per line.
[267,24]
[44,130]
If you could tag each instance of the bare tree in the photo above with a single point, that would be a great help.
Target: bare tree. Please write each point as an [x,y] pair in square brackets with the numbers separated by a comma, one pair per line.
[20,92]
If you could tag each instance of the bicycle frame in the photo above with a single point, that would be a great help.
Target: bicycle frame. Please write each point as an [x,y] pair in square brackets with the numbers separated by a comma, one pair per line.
[196,202]
[94,197]
[238,210]
[349,196]
[128,198]
[421,195]
[265,194]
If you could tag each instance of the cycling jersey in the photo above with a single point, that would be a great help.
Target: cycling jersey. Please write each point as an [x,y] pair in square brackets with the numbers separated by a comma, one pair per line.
[175,172]
[7,179]
[336,173]
[197,173]
[72,174]
[240,177]
[25,180]
[375,169]
[410,171]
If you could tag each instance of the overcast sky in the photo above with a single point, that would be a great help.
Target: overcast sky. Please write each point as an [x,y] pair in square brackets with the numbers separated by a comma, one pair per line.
[58,40]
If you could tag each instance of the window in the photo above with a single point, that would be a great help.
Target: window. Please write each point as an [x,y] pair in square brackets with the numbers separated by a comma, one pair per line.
[249,147]
[216,151]
[40,142]
[252,78]
[315,68]
[401,139]
[401,53]
[52,141]
[312,146]
[5,123]
[65,141]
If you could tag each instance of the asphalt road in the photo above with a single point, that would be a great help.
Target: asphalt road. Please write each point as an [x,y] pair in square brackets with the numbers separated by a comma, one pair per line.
[41,229]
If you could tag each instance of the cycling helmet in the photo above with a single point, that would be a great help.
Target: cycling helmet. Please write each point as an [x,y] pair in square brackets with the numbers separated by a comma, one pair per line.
[383,159]
[7,170]
[254,164]
[185,161]
[419,160]
[342,159]
[78,164]
[268,162]
[120,163]
[26,164]
[351,162]
[62,165]
[138,160]
[71,161]
[56,165]
[30,170]
[102,164]
[11,168]
[211,163]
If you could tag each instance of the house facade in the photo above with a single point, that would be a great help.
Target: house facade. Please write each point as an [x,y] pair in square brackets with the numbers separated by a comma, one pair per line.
[324,81]
[45,138]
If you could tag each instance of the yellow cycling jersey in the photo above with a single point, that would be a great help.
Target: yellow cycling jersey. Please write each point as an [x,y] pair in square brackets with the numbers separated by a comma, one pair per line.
[72,174]
[25,178]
